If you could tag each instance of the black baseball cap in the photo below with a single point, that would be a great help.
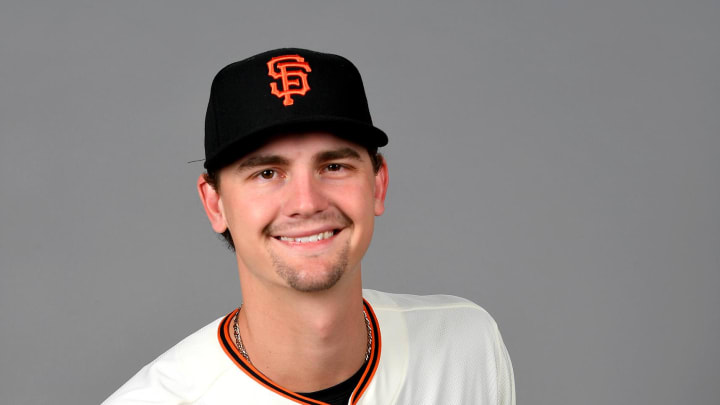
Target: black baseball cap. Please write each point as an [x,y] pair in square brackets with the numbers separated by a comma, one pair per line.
[282,91]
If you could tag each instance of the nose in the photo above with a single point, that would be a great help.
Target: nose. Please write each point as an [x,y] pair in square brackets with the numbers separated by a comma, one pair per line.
[304,196]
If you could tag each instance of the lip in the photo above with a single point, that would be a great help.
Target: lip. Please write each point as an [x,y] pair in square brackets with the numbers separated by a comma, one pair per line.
[308,232]
[310,246]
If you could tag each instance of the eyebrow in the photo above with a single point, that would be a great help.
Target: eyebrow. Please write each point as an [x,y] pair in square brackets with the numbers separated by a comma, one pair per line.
[277,160]
[342,153]
[263,160]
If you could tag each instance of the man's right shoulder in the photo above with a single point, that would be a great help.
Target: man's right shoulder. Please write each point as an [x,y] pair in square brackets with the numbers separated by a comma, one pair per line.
[182,373]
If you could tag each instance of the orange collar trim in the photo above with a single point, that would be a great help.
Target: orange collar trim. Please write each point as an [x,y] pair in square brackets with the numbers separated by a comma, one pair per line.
[226,342]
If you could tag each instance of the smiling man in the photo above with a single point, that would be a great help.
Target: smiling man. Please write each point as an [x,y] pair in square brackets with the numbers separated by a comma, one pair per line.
[294,183]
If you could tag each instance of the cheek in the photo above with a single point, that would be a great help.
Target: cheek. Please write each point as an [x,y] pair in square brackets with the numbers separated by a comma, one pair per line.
[246,217]
[358,203]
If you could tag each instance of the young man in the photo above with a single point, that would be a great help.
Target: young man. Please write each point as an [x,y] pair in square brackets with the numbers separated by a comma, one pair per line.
[294,183]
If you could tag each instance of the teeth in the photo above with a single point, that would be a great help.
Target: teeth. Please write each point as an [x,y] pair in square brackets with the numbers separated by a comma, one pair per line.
[311,238]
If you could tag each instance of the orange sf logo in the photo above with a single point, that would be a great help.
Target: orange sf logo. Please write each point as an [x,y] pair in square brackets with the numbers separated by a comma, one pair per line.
[292,70]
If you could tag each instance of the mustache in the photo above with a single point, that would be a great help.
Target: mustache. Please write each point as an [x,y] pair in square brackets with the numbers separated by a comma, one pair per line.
[337,218]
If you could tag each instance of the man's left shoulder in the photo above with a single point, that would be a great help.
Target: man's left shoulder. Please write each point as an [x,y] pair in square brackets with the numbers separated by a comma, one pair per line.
[446,349]
[448,310]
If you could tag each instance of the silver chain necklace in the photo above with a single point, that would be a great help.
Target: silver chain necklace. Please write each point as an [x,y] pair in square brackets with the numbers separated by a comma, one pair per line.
[241,347]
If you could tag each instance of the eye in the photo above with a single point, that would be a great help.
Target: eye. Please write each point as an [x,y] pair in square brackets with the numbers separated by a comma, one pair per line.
[267,174]
[334,167]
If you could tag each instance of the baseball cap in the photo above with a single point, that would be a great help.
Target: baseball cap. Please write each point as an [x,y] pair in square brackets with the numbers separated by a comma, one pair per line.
[281,91]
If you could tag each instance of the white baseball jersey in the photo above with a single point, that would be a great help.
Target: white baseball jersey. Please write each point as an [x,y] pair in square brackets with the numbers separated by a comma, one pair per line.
[426,350]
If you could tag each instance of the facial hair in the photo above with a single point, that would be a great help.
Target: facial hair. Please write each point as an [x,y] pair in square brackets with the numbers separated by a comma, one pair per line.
[305,281]
[309,280]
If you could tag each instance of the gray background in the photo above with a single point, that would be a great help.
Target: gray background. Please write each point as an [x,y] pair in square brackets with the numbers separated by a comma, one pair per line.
[554,161]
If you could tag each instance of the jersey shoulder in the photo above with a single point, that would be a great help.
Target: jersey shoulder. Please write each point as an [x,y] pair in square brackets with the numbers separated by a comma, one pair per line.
[445,349]
[430,305]
[182,373]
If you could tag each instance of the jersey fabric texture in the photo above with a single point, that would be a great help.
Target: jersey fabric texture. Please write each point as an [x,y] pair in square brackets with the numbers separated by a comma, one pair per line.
[426,350]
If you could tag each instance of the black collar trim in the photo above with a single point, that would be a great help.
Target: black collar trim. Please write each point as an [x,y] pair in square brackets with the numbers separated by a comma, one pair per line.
[226,342]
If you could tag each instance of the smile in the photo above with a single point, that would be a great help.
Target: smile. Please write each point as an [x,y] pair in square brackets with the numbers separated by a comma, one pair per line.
[309,238]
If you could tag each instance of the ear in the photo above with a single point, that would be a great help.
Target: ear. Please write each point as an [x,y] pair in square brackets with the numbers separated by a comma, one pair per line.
[213,205]
[381,185]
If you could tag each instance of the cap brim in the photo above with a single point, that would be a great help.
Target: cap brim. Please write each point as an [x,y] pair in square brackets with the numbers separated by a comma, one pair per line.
[354,131]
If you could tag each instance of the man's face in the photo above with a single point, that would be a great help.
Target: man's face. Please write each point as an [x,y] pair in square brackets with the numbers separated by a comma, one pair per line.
[301,209]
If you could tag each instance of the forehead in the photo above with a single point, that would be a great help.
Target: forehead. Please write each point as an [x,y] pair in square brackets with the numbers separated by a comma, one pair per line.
[295,145]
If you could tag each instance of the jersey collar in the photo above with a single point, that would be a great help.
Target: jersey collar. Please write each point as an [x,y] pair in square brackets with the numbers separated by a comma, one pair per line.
[226,342]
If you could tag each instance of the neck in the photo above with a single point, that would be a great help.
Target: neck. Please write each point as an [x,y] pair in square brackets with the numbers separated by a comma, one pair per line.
[305,341]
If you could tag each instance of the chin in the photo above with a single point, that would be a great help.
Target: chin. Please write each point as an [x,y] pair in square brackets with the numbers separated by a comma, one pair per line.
[313,284]
[312,277]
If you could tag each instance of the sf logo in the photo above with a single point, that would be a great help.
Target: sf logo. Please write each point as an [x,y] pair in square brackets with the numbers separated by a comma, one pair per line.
[291,70]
